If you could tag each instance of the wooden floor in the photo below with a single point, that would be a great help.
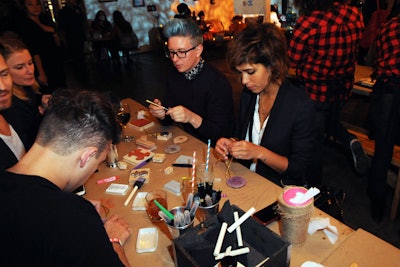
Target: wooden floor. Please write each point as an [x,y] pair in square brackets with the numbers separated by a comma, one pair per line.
[147,82]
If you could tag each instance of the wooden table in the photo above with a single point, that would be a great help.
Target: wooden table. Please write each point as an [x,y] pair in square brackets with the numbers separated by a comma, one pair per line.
[258,193]
[360,73]
[364,249]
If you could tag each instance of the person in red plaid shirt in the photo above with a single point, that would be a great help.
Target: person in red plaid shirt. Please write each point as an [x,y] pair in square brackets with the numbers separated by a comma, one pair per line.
[323,50]
[385,110]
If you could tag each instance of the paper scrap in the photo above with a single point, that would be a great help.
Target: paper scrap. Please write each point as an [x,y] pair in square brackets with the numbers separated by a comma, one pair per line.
[324,224]
[311,264]
[304,197]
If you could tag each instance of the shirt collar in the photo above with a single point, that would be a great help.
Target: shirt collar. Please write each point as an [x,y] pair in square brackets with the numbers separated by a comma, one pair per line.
[191,74]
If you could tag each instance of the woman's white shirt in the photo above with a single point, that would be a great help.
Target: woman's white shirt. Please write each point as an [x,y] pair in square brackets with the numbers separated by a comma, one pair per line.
[257,131]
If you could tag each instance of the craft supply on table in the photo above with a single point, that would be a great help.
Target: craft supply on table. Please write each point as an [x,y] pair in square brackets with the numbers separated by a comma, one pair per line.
[170,149]
[117,189]
[168,170]
[173,187]
[151,207]
[139,203]
[147,240]
[182,218]
[157,105]
[143,142]
[164,136]
[159,158]
[122,165]
[107,180]
[141,124]
[236,182]
[138,184]
[183,161]
[137,156]
[180,139]
[139,173]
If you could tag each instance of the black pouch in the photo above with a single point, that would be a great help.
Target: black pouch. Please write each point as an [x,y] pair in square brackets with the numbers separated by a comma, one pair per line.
[330,200]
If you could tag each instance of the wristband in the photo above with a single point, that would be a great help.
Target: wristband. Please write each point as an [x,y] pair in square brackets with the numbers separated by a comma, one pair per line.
[116,240]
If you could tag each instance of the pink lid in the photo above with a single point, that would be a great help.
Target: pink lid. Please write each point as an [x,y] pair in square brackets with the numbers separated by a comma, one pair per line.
[291,193]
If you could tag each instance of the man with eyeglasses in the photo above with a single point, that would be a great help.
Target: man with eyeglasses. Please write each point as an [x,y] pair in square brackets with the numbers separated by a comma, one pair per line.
[197,95]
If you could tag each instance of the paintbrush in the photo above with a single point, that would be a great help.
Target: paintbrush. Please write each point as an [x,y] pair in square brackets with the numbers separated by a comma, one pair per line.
[138,184]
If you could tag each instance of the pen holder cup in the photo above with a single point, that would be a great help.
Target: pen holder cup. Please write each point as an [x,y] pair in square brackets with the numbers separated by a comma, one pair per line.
[204,213]
[176,231]
[294,217]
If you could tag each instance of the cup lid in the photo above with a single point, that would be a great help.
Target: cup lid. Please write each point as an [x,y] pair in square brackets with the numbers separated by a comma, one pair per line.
[291,193]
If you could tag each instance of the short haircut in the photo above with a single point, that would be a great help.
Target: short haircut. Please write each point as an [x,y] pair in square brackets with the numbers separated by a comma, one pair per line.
[264,44]
[77,119]
[185,28]
[12,45]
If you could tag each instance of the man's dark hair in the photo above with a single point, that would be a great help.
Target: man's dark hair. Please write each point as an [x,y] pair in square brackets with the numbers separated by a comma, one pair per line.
[77,119]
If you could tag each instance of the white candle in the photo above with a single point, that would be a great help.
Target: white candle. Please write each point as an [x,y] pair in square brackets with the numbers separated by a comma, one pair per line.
[220,239]
[241,219]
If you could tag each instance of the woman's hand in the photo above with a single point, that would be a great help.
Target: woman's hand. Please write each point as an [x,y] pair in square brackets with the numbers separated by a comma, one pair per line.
[45,103]
[156,111]
[245,150]
[222,147]
[184,115]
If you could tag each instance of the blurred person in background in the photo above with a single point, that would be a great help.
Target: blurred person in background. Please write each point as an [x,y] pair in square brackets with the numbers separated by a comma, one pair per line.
[39,33]
[323,50]
[74,28]
[274,16]
[385,110]
[123,37]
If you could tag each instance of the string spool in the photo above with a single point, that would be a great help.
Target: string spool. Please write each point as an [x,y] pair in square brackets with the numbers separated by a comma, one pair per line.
[294,217]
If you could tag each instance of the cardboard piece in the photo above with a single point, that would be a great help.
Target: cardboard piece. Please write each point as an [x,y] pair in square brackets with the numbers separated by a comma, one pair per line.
[364,249]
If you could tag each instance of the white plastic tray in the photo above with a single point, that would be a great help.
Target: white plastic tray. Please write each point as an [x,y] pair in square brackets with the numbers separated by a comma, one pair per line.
[147,240]
[139,203]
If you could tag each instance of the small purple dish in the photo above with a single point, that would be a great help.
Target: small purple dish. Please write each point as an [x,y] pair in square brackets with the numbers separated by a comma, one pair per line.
[236,182]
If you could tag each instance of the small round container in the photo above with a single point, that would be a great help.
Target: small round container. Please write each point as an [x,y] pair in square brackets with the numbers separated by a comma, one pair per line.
[177,231]
[205,213]
[294,217]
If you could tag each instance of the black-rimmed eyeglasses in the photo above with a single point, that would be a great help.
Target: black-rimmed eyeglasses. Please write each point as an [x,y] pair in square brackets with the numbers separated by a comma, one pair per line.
[179,54]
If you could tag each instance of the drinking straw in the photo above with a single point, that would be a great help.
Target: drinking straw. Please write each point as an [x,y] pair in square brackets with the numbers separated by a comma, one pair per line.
[193,169]
[208,154]
[169,214]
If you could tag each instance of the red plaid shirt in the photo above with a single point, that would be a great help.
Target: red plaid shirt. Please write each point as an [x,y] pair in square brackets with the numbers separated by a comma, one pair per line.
[324,49]
[388,49]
